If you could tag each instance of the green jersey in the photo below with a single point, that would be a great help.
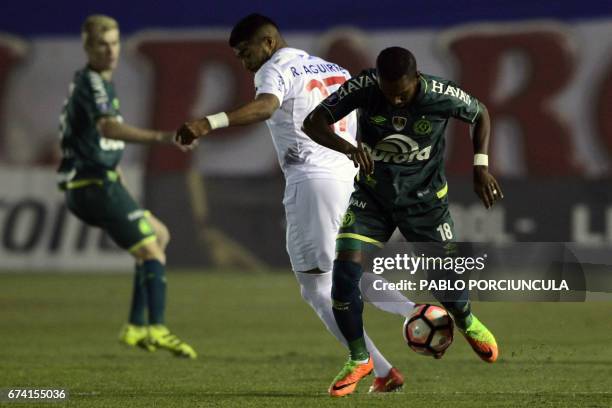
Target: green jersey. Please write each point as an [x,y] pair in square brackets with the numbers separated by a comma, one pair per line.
[86,153]
[406,143]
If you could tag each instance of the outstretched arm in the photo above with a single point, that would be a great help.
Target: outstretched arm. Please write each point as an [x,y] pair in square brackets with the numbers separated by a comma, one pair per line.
[111,128]
[485,185]
[258,110]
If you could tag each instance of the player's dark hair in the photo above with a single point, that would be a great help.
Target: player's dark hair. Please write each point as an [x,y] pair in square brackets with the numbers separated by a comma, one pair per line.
[394,62]
[246,28]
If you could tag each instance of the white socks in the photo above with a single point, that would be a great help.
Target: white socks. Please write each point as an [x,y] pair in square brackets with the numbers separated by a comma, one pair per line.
[392,301]
[316,291]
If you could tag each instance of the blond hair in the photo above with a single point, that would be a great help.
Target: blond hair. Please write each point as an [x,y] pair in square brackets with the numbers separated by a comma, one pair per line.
[95,25]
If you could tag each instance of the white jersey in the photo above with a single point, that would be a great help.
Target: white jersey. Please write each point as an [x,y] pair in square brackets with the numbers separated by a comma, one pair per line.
[300,82]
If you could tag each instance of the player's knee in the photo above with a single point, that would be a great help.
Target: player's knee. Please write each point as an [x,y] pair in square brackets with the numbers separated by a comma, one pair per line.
[349,256]
[314,288]
[149,252]
[161,231]
[163,235]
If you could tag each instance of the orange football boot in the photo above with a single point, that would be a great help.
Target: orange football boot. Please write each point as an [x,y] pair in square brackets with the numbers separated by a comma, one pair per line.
[352,372]
[482,340]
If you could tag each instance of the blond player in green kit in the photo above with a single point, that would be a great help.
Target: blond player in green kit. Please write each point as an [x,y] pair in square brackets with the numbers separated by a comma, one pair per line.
[93,138]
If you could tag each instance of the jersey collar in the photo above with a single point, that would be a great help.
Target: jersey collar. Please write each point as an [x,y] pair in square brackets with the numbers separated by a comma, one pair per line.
[288,50]
[422,89]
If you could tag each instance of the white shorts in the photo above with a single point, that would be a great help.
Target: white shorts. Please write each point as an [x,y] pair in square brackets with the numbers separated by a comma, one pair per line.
[314,209]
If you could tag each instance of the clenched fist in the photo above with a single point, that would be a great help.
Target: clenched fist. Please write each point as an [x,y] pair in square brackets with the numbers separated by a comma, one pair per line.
[191,131]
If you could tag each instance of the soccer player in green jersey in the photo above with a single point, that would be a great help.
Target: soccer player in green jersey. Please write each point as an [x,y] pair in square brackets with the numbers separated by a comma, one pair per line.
[93,137]
[403,115]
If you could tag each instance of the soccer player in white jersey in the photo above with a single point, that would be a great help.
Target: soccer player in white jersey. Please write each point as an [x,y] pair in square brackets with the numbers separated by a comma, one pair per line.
[289,84]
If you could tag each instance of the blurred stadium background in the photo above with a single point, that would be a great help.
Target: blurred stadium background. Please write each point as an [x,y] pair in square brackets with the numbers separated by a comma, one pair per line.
[544,72]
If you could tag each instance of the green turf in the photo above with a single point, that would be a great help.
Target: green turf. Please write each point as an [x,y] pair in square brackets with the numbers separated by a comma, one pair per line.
[261,345]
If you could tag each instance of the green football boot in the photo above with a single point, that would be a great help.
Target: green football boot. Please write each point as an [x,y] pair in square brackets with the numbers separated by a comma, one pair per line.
[135,336]
[161,337]
[482,340]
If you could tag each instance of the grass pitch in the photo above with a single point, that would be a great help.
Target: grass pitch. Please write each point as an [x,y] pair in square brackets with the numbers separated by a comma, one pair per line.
[261,345]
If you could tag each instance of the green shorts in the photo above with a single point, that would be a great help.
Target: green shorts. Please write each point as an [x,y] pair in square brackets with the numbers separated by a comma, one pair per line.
[107,204]
[370,221]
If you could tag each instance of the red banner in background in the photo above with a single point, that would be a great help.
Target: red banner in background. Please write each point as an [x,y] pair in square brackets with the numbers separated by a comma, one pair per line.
[604,102]
[177,67]
[11,52]
[546,85]
[553,94]
[545,136]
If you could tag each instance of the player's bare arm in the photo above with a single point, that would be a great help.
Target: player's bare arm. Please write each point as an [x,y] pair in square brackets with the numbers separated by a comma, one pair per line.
[317,126]
[485,185]
[111,128]
[258,110]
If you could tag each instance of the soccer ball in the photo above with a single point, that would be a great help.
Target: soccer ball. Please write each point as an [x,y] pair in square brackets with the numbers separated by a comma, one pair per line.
[429,330]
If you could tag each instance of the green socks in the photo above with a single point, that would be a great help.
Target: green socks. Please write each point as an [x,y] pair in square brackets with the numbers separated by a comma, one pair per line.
[155,280]
[139,298]
[358,350]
